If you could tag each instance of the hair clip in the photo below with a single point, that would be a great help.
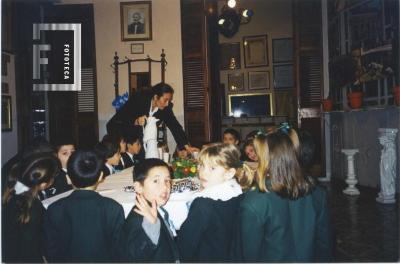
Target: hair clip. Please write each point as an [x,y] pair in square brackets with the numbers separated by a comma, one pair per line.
[284,127]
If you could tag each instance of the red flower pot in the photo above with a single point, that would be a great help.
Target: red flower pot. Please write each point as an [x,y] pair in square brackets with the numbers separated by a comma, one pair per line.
[396,95]
[355,99]
[327,105]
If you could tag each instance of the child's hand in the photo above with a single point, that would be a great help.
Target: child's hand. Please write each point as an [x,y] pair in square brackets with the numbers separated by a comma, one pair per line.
[143,208]
[141,120]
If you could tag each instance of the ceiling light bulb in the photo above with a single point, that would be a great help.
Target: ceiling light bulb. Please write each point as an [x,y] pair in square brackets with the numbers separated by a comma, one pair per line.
[231,3]
[247,13]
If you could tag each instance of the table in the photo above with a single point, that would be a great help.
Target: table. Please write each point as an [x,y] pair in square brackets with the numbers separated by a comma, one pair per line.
[114,187]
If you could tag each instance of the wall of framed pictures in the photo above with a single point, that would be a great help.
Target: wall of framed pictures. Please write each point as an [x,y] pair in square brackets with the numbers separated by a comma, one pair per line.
[9,130]
[254,73]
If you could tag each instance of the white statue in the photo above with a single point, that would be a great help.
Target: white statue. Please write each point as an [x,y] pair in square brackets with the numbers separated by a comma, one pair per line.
[387,167]
[150,138]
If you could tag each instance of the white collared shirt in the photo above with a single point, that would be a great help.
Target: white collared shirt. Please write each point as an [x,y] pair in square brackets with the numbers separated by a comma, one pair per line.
[130,156]
[224,191]
[151,113]
[169,223]
[110,168]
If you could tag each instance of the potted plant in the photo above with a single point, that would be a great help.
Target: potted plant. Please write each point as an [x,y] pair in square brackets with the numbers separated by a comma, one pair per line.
[355,96]
[327,104]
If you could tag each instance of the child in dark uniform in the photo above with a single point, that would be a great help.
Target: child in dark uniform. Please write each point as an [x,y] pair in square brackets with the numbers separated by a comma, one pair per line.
[64,149]
[285,218]
[22,216]
[133,147]
[109,151]
[84,226]
[207,233]
[148,234]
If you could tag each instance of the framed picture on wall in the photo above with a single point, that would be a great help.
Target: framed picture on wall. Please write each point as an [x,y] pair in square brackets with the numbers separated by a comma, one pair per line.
[258,80]
[137,48]
[6,114]
[229,56]
[136,20]
[255,51]
[282,50]
[283,76]
[236,82]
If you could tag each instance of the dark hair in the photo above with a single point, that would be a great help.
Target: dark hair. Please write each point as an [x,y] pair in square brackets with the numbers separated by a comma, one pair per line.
[106,148]
[37,145]
[162,88]
[233,132]
[133,137]
[252,134]
[306,148]
[31,171]
[141,170]
[284,173]
[84,168]
[116,136]
[59,142]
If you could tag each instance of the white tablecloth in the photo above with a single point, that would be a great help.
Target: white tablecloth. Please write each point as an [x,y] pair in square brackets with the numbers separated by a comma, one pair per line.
[113,187]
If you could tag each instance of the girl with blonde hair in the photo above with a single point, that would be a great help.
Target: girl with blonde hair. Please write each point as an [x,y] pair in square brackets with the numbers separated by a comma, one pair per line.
[206,234]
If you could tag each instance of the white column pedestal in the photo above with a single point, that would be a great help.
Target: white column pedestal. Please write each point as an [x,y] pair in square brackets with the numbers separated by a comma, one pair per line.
[387,138]
[328,156]
[351,176]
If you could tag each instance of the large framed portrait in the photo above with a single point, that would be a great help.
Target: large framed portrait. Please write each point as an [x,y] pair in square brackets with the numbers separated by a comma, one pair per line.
[136,21]
[255,51]
[6,114]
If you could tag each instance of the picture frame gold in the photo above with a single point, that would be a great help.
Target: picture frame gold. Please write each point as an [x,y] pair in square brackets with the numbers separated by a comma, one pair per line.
[255,51]
[136,20]
[243,96]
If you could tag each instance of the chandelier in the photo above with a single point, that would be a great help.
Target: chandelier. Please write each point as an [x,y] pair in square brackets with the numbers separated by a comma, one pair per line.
[232,17]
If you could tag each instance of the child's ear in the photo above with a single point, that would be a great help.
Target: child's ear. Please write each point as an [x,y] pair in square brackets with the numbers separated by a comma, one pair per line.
[229,174]
[138,187]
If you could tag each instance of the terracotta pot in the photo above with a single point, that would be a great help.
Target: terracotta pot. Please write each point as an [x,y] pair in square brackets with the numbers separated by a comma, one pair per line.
[327,105]
[355,99]
[396,95]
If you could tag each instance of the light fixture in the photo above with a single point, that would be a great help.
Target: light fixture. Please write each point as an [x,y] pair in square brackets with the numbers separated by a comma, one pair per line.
[231,3]
[231,18]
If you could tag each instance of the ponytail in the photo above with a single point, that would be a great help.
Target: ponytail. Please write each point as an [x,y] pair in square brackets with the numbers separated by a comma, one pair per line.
[245,177]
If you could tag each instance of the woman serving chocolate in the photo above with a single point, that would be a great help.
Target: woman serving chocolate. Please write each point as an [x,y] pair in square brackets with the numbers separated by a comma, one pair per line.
[152,102]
